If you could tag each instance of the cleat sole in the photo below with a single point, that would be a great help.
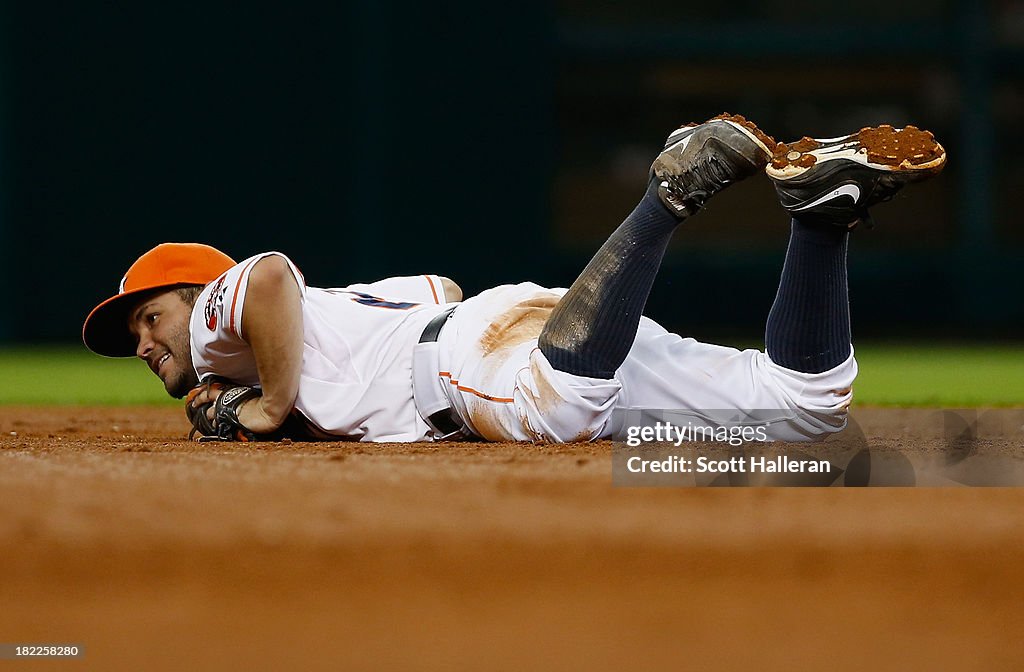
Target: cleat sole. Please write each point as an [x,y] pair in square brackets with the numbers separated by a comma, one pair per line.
[905,150]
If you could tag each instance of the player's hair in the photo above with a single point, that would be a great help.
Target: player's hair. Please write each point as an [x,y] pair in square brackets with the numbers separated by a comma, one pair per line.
[189,294]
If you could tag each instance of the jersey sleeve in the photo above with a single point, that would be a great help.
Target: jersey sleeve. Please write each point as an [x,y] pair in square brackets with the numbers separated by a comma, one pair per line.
[414,288]
[216,324]
[237,282]
[241,284]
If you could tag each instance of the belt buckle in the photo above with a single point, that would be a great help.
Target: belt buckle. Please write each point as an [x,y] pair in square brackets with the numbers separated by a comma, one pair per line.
[456,427]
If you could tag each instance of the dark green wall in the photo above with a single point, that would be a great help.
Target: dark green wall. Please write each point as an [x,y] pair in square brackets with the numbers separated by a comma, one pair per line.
[379,138]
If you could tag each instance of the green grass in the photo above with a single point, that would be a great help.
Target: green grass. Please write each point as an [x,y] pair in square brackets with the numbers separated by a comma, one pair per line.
[72,375]
[951,376]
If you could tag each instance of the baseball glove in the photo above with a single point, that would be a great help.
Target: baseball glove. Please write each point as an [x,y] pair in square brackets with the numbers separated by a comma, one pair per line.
[225,425]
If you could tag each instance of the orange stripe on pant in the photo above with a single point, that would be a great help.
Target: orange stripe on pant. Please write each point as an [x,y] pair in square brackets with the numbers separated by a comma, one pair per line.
[462,388]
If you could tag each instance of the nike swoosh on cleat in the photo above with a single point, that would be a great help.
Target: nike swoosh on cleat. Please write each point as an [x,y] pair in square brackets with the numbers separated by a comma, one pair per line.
[679,145]
[851,190]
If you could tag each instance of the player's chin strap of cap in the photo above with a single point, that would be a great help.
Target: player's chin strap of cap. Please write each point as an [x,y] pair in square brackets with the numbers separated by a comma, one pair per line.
[428,386]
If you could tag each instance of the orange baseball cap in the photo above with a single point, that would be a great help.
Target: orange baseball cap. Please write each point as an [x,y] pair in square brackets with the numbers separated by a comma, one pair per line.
[169,265]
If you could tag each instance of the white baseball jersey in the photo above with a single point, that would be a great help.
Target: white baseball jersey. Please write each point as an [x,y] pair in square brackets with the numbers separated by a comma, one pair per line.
[356,379]
[357,354]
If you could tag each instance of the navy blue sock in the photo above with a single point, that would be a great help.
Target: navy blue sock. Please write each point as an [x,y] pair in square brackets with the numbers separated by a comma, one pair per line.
[809,324]
[592,328]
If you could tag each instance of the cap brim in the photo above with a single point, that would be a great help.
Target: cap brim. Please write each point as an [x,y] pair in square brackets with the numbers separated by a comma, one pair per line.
[105,331]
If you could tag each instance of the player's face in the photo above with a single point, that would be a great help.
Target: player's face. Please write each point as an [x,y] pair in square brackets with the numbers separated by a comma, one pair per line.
[160,325]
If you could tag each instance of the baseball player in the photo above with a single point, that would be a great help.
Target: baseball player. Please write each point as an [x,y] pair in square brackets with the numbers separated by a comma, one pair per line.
[259,354]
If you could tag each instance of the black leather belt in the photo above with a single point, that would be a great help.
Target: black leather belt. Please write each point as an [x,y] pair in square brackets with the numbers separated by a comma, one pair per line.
[446,422]
[433,328]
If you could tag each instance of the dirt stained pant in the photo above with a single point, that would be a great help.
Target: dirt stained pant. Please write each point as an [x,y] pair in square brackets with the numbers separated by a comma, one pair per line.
[505,389]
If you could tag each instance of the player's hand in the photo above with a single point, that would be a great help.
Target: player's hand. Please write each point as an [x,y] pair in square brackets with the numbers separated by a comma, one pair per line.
[203,396]
[250,412]
[220,410]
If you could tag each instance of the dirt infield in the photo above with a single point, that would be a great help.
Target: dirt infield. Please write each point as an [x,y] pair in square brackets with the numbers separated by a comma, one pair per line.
[159,554]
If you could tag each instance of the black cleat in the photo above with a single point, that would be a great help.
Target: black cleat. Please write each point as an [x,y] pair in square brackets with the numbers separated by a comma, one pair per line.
[700,160]
[836,180]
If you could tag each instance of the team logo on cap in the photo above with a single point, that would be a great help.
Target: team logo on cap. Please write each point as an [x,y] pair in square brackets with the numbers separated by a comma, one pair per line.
[215,304]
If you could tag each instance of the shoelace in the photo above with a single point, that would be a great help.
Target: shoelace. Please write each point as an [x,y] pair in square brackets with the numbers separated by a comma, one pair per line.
[695,186]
